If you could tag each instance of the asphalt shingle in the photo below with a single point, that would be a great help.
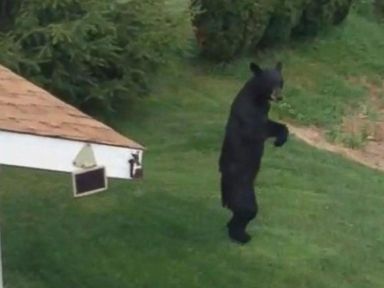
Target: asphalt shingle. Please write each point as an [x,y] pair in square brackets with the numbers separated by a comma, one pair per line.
[27,108]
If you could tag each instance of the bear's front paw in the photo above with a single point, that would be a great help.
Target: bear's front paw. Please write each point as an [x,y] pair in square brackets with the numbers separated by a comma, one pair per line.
[282,137]
[280,142]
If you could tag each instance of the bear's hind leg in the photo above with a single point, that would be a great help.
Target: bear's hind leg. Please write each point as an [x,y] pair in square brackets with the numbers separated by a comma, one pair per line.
[236,230]
[237,225]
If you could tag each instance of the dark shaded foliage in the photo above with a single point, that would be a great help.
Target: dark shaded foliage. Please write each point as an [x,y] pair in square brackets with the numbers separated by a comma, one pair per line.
[226,28]
[92,53]
[321,14]
[379,8]
[287,15]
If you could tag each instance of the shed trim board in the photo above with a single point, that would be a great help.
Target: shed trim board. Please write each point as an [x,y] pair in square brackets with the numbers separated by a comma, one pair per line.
[56,154]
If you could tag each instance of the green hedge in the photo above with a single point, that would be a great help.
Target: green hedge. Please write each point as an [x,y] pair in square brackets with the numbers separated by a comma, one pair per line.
[379,8]
[318,15]
[371,9]
[226,28]
[287,15]
[93,53]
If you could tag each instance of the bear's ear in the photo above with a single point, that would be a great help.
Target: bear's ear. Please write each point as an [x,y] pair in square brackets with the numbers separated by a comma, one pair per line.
[279,66]
[255,68]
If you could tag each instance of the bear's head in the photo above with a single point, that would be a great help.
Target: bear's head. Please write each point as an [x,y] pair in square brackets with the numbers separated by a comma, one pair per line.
[270,82]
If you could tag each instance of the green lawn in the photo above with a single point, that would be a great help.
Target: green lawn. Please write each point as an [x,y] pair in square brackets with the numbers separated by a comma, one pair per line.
[320,223]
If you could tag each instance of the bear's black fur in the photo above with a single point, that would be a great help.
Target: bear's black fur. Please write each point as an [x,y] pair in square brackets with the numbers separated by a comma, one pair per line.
[247,129]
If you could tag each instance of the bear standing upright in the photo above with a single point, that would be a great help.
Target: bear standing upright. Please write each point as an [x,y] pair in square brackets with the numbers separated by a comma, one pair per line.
[247,129]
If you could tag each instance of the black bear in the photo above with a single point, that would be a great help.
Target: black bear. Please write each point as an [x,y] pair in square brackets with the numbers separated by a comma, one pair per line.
[247,129]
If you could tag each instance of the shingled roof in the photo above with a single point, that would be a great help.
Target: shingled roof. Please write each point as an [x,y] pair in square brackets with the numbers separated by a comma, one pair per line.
[26,108]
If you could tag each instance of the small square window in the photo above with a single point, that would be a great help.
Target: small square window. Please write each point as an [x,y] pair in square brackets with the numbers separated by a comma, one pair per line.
[89,181]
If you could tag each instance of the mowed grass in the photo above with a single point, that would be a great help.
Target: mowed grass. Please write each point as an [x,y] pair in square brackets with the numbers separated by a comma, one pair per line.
[320,221]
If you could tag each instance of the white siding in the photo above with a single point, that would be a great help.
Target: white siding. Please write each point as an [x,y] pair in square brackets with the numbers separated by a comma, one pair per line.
[56,154]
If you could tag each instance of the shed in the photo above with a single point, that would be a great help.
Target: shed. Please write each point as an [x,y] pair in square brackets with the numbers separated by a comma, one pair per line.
[37,130]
